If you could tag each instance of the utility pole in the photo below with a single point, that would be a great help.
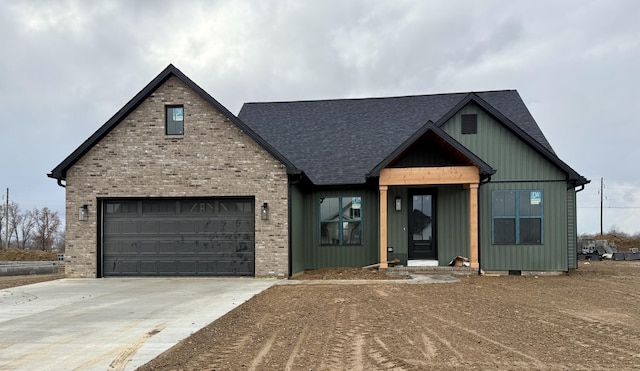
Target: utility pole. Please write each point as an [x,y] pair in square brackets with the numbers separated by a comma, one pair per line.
[6,218]
[601,198]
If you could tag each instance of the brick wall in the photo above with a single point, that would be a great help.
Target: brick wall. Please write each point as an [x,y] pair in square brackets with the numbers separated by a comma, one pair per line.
[213,158]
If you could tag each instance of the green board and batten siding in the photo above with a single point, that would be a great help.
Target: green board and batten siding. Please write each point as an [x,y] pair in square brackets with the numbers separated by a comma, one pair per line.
[550,255]
[519,167]
[307,244]
[572,229]
[452,223]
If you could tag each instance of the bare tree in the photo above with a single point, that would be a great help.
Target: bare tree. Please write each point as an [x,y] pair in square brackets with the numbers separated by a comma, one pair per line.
[59,243]
[47,225]
[26,229]
[15,219]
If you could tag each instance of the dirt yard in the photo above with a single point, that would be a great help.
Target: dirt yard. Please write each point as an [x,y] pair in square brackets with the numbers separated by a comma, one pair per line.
[587,320]
[13,281]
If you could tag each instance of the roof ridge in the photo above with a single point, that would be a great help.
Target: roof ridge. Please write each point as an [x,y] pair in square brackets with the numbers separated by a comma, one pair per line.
[381,98]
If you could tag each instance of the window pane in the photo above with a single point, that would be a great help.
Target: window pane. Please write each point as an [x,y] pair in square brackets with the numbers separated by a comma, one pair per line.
[352,233]
[420,219]
[199,207]
[330,208]
[329,233]
[504,231]
[175,120]
[351,208]
[124,207]
[159,207]
[530,203]
[531,230]
[504,203]
[234,207]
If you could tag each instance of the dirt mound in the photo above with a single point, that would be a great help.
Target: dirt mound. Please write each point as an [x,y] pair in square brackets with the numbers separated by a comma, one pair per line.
[622,243]
[13,254]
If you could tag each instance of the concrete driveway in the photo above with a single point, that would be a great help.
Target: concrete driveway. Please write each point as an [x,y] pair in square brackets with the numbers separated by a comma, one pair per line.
[110,324]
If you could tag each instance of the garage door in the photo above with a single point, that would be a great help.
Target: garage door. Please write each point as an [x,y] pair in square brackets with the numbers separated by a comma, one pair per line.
[178,237]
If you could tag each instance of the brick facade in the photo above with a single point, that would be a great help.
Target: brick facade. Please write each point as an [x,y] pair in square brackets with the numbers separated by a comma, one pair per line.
[213,158]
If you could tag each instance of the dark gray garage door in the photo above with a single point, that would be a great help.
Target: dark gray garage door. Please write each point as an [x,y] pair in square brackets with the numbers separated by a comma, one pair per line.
[178,237]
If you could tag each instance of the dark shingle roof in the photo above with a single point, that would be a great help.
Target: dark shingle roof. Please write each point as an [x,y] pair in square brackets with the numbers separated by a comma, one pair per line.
[341,141]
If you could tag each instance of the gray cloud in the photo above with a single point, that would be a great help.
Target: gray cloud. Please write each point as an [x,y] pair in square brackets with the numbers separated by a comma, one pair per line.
[67,66]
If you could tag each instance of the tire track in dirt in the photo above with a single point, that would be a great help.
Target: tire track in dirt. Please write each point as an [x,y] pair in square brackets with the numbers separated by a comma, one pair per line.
[343,353]
[581,332]
[382,340]
[623,336]
[423,347]
[533,361]
[585,328]
[458,357]
[231,350]
[352,342]
[297,349]
[625,294]
[262,353]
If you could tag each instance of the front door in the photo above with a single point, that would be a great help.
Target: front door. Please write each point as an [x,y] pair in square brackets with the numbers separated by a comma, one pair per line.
[422,242]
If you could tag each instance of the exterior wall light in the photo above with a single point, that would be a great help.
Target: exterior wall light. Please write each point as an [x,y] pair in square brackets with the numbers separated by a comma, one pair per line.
[83,213]
[264,211]
[398,203]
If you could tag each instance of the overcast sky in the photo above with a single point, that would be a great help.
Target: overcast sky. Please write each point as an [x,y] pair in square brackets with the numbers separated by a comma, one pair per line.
[67,66]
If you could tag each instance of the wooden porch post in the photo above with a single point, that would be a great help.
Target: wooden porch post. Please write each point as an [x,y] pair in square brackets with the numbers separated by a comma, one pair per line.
[473,225]
[383,226]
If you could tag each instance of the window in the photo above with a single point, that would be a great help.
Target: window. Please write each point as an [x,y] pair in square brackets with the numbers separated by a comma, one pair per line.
[517,217]
[122,207]
[196,207]
[235,207]
[175,120]
[341,221]
[470,124]
[159,207]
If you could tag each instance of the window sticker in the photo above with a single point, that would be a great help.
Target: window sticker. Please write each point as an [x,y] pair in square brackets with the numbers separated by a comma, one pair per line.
[356,203]
[536,197]
[178,114]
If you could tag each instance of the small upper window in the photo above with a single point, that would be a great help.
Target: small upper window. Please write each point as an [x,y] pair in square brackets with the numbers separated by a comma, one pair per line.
[175,120]
[469,124]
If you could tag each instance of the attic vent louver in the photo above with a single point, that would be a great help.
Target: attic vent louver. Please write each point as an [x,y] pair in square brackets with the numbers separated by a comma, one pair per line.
[470,124]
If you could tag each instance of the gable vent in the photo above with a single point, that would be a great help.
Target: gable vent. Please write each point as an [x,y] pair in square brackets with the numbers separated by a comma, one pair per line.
[469,124]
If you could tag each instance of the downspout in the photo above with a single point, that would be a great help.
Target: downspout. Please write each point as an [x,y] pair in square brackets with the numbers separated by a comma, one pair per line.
[60,183]
[290,185]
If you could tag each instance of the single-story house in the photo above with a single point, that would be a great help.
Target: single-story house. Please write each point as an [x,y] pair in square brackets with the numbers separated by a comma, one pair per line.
[175,184]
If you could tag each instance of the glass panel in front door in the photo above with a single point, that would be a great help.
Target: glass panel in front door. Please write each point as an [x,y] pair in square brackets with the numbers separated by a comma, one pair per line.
[421,218]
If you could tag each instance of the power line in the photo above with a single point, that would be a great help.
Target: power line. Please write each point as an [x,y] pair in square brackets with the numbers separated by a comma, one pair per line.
[609,207]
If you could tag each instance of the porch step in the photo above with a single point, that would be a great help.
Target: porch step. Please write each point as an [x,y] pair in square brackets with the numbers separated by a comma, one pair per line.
[405,271]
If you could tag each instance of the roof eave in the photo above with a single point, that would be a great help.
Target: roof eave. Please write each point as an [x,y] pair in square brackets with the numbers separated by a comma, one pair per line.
[572,175]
